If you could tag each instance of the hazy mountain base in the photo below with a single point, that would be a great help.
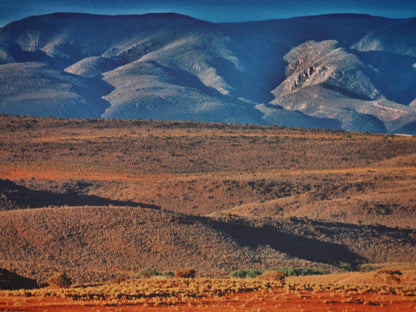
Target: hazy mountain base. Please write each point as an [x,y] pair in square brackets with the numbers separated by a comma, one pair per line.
[351,72]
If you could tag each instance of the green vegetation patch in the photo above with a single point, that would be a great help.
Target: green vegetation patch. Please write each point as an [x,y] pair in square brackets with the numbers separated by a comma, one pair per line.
[246,273]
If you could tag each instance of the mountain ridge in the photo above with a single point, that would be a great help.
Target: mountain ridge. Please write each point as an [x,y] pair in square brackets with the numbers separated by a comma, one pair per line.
[174,67]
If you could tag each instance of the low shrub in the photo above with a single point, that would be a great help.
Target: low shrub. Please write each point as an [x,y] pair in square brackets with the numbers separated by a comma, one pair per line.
[252,273]
[185,273]
[367,268]
[147,273]
[273,275]
[168,274]
[302,271]
[118,279]
[247,273]
[60,280]
[345,265]
[388,276]
[239,274]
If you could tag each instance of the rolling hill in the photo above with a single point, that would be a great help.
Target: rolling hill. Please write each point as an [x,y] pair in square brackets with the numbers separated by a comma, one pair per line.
[103,199]
[351,72]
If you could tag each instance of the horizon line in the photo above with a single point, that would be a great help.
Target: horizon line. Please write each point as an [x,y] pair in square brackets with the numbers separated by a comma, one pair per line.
[206,20]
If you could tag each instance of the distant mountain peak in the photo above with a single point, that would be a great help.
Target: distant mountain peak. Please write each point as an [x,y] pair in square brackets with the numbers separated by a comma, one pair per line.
[340,71]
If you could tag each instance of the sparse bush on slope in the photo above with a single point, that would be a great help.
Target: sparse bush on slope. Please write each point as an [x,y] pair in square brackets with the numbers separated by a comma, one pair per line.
[147,273]
[301,271]
[60,280]
[246,273]
[273,275]
[168,274]
[185,273]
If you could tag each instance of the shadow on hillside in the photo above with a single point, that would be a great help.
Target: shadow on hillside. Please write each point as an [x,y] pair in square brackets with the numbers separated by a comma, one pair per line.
[294,245]
[15,196]
[405,235]
[12,281]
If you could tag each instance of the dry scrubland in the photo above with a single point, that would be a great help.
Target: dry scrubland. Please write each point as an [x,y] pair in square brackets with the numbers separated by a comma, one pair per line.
[217,295]
[102,199]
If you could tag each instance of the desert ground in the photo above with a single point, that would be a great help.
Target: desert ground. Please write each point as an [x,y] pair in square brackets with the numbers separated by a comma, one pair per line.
[373,292]
[104,199]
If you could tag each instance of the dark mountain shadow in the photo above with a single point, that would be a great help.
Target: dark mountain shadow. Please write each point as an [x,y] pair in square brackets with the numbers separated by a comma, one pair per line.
[314,122]
[295,245]
[180,77]
[93,90]
[395,75]
[13,196]
[22,56]
[346,92]
[409,128]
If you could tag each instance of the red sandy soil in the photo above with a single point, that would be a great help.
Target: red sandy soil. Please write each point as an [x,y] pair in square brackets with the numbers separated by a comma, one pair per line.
[274,300]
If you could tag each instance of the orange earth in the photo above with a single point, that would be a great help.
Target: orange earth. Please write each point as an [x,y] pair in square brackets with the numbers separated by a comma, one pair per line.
[272,300]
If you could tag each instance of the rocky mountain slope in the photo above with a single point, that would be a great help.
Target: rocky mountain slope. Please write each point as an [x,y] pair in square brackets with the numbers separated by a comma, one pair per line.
[350,72]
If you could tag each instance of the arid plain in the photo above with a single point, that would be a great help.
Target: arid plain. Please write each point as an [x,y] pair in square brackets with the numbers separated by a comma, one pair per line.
[104,199]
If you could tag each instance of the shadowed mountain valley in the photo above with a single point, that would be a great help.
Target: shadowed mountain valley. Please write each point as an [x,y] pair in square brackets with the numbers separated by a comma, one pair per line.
[351,72]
